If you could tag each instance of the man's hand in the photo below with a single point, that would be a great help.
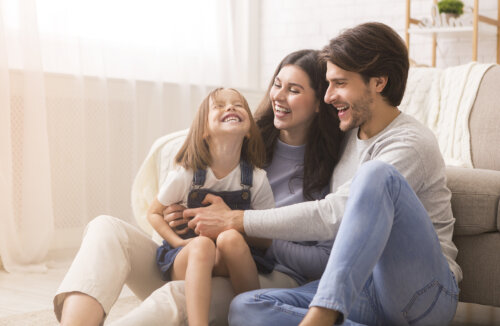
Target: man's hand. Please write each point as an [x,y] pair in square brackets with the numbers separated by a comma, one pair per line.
[210,221]
[172,214]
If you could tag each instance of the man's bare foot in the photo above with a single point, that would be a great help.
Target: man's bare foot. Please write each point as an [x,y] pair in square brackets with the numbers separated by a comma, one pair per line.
[318,316]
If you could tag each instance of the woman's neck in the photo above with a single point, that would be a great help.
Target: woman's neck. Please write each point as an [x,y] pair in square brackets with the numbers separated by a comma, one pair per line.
[292,138]
[225,154]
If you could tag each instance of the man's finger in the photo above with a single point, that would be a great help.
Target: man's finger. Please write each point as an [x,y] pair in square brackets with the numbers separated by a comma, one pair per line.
[211,199]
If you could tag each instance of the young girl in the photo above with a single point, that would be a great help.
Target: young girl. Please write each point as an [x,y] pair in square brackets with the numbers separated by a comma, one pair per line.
[218,156]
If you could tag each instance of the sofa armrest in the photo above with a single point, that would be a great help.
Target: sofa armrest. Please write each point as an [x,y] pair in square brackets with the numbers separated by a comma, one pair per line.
[475,200]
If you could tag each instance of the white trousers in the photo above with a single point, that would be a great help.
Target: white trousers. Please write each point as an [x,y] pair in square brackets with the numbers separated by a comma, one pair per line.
[114,253]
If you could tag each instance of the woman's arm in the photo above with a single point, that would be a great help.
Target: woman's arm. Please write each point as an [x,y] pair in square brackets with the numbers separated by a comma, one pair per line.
[155,217]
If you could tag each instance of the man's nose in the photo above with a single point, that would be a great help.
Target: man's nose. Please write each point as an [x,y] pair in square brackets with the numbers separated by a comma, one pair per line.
[330,95]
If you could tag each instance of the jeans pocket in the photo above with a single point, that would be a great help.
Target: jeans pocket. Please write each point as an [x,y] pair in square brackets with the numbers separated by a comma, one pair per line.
[431,305]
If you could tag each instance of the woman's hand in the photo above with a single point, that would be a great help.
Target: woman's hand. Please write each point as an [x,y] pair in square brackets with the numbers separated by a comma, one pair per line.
[172,214]
[210,221]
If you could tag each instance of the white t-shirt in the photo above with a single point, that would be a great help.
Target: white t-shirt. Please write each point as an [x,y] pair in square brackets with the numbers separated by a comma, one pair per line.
[177,184]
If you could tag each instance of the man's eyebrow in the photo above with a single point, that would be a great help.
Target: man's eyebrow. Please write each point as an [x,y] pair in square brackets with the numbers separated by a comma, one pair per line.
[336,79]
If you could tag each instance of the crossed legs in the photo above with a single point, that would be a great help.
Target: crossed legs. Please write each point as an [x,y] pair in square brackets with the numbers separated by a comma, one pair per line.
[386,266]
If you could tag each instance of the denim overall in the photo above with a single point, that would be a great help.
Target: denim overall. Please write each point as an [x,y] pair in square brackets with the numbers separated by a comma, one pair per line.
[238,199]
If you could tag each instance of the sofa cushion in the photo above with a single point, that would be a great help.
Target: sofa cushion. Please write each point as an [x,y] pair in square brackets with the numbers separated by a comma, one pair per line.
[483,123]
[478,258]
[475,200]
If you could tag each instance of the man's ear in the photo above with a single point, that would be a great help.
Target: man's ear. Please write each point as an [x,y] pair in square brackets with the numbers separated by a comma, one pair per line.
[380,83]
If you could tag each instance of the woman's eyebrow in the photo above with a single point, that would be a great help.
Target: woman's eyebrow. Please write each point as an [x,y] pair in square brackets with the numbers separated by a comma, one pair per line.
[296,85]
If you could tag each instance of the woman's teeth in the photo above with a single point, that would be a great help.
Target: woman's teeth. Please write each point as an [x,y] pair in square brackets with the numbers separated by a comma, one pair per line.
[281,109]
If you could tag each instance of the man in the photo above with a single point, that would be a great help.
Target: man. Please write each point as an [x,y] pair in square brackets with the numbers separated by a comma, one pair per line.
[393,260]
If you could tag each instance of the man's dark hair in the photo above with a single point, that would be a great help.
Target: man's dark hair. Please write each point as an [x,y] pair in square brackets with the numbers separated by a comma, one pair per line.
[372,50]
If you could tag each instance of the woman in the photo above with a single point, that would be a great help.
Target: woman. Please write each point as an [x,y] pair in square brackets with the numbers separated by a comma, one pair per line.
[302,141]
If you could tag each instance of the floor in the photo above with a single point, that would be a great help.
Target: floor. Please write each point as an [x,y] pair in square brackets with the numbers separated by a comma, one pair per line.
[21,293]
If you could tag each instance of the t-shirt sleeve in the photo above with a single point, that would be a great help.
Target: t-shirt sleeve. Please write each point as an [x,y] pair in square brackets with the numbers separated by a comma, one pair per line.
[262,194]
[175,187]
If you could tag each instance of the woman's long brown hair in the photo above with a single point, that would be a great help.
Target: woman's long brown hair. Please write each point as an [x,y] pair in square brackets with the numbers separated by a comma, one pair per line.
[323,136]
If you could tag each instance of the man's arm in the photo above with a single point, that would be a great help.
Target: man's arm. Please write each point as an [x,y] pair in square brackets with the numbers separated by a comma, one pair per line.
[210,221]
[316,220]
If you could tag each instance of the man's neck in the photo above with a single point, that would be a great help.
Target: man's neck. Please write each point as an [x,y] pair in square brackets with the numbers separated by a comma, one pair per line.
[382,115]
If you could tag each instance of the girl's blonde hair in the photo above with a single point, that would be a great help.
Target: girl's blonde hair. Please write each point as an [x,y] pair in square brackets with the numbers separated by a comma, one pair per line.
[195,154]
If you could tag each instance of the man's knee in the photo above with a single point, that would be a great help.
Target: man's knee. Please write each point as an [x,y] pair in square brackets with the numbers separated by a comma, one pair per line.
[241,310]
[375,173]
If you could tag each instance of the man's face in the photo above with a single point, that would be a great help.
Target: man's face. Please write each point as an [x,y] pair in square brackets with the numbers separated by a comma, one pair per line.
[350,96]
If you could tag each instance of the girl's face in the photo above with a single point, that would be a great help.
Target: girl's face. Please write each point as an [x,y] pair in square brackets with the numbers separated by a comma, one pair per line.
[227,114]
[294,104]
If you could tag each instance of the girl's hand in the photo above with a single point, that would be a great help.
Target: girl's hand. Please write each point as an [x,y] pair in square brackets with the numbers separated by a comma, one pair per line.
[172,214]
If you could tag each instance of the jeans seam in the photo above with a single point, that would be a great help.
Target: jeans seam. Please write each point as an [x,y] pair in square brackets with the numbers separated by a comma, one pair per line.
[442,290]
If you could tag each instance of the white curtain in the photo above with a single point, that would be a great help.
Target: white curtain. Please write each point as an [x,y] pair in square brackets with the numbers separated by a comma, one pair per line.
[85,88]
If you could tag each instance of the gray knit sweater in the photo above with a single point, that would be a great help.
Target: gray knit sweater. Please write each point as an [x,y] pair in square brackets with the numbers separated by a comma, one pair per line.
[406,144]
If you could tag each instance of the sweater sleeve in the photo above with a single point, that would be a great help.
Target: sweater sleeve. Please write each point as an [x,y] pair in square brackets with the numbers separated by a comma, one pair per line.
[307,221]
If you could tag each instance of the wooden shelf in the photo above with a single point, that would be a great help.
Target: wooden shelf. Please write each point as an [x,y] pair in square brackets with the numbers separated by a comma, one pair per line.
[427,30]
[434,31]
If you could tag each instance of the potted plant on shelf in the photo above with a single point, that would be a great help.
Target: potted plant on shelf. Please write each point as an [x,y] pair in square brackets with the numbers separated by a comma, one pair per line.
[453,7]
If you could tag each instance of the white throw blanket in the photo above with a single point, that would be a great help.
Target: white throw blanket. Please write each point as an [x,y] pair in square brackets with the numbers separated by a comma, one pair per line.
[151,174]
[442,99]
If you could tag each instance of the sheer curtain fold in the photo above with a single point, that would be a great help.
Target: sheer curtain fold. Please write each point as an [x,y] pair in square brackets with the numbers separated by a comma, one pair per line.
[27,222]
[85,89]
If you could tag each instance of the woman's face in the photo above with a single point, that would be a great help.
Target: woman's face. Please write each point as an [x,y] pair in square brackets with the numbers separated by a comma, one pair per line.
[294,104]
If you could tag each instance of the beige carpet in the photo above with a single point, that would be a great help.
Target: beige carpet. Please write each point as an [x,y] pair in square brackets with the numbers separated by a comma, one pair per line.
[47,317]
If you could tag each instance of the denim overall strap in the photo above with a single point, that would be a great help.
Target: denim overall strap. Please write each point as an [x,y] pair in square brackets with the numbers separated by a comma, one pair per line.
[199,177]
[246,174]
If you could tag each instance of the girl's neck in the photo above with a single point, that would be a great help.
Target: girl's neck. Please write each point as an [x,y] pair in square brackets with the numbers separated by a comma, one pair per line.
[225,154]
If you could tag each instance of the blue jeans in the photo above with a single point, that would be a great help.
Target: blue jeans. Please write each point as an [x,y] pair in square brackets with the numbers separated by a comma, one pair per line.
[386,266]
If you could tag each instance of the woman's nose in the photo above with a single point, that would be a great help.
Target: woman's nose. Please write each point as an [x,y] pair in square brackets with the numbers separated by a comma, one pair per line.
[278,94]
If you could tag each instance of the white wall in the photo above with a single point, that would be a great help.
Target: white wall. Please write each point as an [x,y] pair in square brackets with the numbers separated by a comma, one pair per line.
[288,25]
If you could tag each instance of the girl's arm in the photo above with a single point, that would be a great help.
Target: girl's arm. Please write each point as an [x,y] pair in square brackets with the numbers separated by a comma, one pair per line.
[155,218]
